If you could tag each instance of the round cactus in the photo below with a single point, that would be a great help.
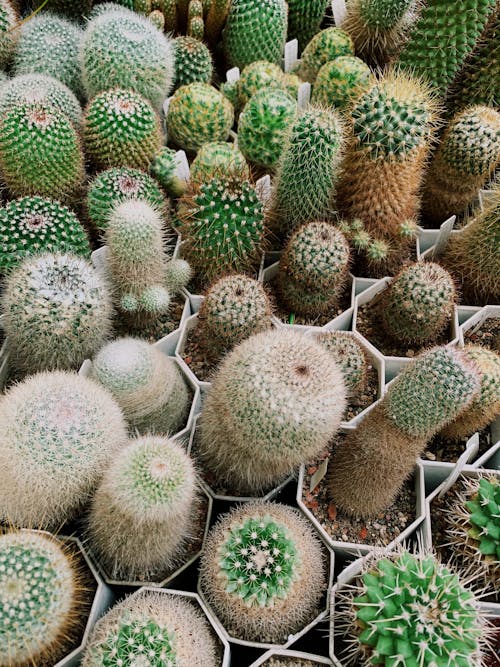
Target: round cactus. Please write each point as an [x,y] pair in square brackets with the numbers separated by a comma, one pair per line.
[57,312]
[262,572]
[178,274]
[323,47]
[114,186]
[41,594]
[287,661]
[263,126]
[143,511]
[418,304]
[58,432]
[341,81]
[197,114]
[193,61]
[124,50]
[49,44]
[70,8]
[218,158]
[40,88]
[256,76]
[157,19]
[163,168]
[350,356]
[9,17]
[40,152]
[222,224]
[304,19]
[170,626]
[230,91]
[145,383]
[121,130]
[255,425]
[255,30]
[313,269]
[32,225]
[234,308]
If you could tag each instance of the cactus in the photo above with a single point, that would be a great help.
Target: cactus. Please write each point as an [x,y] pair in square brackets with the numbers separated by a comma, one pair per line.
[121,130]
[146,384]
[234,308]
[197,114]
[256,76]
[43,599]
[124,50]
[215,20]
[40,152]
[9,17]
[350,356]
[40,88]
[143,510]
[114,186]
[58,432]
[74,10]
[163,168]
[262,572]
[218,158]
[57,312]
[49,44]
[157,19]
[170,14]
[193,61]
[255,426]
[442,37]
[308,168]
[418,304]
[290,662]
[263,126]
[255,30]
[323,47]
[304,19]
[341,81]
[372,463]
[465,159]
[486,406]
[222,224]
[313,269]
[230,91]
[408,609]
[170,626]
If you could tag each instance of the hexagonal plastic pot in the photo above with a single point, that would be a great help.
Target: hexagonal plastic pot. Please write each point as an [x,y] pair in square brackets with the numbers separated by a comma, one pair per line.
[282,653]
[476,320]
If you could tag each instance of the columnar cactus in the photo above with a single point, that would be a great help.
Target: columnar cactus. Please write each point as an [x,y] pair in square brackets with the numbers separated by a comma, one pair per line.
[269,374]
[143,510]
[198,113]
[121,130]
[193,61]
[218,158]
[155,627]
[9,17]
[323,47]
[350,356]
[222,223]
[371,464]
[308,168]
[262,572]
[304,19]
[255,30]
[58,432]
[313,269]
[466,157]
[124,50]
[57,312]
[341,81]
[234,308]
[32,225]
[40,152]
[146,384]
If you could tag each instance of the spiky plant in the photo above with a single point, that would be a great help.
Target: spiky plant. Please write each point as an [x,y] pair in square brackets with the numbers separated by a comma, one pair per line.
[369,467]
[163,168]
[215,19]
[262,572]
[341,81]
[304,19]
[9,17]
[326,45]
[349,354]
[57,312]
[218,158]
[58,432]
[193,61]
[74,10]
[256,76]
[255,425]
[157,18]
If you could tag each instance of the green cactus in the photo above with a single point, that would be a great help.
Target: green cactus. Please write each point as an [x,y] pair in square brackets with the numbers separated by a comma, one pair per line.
[170,626]
[466,158]
[163,169]
[256,76]
[341,81]
[178,275]
[216,19]
[193,61]
[376,257]
[230,91]
[157,19]
[145,383]
[218,158]
[255,572]
[9,17]
[196,28]
[308,168]
[197,114]
[49,44]
[114,186]
[124,50]
[121,130]
[304,19]
[223,226]
[170,14]
[442,37]
[234,308]
[323,47]
[70,8]
[267,376]
[58,432]
[350,356]
[57,312]
[255,30]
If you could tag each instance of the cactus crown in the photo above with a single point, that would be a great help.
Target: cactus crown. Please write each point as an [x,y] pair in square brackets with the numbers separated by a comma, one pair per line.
[350,356]
[193,61]
[256,76]
[341,81]
[325,46]
[217,157]
[484,517]
[124,365]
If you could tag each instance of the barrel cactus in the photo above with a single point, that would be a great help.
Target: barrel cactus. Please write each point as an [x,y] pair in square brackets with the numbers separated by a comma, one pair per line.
[193,61]
[341,81]
[350,356]
[304,19]
[257,76]
[218,158]
[323,47]
[163,168]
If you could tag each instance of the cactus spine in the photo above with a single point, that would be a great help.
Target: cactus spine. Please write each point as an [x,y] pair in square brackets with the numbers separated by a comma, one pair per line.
[341,81]
[304,19]
[350,356]
[9,17]
[323,47]
[193,61]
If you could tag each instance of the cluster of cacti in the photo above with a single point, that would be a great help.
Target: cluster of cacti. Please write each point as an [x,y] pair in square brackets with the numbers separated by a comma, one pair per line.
[323,47]
[193,61]
[341,81]
[350,356]
[218,158]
